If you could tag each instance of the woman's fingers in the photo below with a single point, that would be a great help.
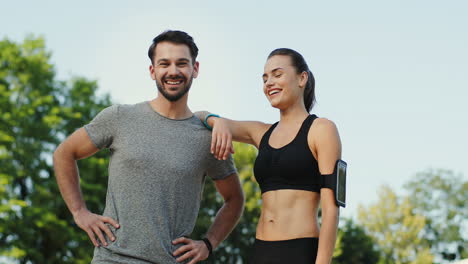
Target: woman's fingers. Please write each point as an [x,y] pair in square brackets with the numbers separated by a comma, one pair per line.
[229,149]
[221,141]
[222,149]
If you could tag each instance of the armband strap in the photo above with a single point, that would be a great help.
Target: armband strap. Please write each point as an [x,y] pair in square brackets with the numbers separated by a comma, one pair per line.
[205,122]
[328,181]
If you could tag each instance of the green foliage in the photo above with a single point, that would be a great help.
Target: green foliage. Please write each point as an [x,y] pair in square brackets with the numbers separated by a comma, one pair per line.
[354,245]
[37,112]
[441,197]
[238,245]
[396,228]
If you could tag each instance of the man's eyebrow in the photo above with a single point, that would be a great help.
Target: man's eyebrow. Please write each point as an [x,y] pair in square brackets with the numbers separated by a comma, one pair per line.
[178,60]
[273,71]
[162,60]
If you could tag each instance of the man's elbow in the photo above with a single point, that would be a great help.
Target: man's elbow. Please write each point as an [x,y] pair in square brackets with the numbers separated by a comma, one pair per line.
[57,154]
[236,200]
[241,200]
[61,153]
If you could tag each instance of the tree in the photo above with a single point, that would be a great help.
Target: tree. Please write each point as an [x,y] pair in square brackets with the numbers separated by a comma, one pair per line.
[37,112]
[440,196]
[396,228]
[236,248]
[354,245]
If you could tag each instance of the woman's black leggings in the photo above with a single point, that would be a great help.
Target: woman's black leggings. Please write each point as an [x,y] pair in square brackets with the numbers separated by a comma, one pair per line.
[293,251]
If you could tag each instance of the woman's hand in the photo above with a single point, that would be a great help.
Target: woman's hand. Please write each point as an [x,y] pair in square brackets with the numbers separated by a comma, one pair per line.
[221,138]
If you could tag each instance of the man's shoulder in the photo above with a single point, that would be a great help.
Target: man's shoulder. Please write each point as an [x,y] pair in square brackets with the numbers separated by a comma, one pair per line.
[200,128]
[129,109]
[133,107]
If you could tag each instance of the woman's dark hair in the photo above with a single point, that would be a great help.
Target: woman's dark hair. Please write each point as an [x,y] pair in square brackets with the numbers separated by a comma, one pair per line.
[300,64]
[174,36]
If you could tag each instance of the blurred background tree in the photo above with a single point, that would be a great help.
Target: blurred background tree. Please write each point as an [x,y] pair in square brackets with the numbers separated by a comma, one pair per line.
[354,245]
[396,228]
[37,112]
[440,196]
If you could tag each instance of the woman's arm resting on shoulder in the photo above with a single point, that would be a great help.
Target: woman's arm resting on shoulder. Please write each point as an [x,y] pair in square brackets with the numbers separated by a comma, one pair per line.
[225,130]
[328,149]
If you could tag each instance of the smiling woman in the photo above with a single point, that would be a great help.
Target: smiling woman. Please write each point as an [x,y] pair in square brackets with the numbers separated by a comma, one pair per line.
[295,156]
[275,59]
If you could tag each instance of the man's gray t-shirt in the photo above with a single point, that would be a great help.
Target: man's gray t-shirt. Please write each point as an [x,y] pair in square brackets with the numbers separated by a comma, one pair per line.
[156,175]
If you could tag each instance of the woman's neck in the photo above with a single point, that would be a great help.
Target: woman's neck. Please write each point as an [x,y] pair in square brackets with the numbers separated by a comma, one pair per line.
[294,113]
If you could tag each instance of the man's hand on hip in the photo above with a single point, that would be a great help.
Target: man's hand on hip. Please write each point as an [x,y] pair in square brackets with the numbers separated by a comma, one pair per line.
[195,249]
[94,225]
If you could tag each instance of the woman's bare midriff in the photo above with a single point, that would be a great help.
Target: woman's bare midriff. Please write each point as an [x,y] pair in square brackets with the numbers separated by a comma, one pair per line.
[288,214]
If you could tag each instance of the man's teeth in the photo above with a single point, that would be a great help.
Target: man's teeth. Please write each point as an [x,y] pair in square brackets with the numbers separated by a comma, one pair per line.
[173,82]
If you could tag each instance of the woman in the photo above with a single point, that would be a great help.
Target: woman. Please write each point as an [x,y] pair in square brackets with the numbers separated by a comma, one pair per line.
[294,154]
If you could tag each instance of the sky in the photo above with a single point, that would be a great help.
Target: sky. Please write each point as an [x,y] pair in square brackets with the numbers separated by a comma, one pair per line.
[392,75]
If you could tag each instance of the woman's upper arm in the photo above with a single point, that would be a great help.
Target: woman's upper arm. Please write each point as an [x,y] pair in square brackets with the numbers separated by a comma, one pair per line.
[327,144]
[249,132]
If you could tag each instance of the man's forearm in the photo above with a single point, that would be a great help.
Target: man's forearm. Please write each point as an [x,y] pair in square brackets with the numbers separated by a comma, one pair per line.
[225,220]
[66,172]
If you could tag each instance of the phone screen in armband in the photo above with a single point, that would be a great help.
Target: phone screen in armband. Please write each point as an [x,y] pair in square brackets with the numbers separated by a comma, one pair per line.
[340,191]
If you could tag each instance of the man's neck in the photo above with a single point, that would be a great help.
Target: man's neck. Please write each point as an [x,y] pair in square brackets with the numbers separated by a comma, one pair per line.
[171,110]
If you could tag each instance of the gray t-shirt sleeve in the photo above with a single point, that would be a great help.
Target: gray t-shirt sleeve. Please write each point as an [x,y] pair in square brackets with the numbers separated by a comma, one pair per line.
[220,169]
[102,128]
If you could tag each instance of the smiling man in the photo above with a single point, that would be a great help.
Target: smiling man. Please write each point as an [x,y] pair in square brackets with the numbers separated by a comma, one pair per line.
[160,155]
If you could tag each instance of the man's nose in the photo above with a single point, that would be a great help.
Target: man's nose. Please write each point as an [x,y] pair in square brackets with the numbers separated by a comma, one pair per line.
[173,70]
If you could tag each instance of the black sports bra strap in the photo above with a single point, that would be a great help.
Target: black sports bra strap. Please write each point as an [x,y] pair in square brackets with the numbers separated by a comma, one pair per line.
[307,124]
[266,136]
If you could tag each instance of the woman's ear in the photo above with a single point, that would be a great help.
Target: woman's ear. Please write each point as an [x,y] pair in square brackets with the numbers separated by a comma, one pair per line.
[303,79]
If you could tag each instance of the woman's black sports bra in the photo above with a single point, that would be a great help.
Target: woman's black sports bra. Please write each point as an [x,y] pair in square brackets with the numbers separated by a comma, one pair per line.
[290,167]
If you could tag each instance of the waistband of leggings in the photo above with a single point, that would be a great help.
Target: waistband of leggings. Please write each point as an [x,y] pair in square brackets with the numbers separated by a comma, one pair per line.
[301,239]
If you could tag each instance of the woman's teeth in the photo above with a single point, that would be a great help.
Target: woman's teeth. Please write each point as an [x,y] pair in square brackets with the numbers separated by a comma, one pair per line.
[273,92]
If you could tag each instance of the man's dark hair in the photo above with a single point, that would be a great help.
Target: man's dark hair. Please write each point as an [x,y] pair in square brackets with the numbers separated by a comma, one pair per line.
[177,37]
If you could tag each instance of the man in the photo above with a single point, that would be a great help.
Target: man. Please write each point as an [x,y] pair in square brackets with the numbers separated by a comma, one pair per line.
[160,154]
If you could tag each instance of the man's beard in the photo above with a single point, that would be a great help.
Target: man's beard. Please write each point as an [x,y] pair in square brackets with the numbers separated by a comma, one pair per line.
[177,96]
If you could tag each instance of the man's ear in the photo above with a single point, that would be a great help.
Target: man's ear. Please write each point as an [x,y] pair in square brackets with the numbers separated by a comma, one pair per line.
[196,67]
[152,74]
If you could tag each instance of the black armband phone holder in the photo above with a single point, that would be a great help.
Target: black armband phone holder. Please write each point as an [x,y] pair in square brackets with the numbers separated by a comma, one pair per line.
[337,182]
